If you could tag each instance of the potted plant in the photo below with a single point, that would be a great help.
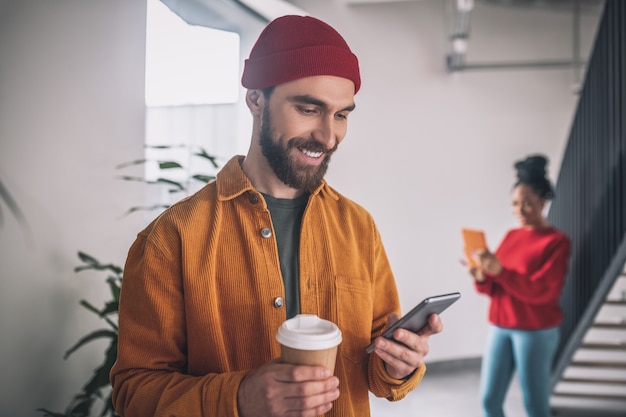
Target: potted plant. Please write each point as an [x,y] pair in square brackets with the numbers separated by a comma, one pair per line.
[97,389]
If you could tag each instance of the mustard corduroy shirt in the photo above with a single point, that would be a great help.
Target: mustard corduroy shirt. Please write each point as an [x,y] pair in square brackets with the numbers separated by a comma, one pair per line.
[198,312]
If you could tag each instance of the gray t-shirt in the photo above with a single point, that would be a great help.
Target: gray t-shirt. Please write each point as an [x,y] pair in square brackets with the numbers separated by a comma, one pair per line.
[287,218]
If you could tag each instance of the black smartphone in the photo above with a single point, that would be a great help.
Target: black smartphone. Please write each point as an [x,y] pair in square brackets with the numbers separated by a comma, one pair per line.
[417,318]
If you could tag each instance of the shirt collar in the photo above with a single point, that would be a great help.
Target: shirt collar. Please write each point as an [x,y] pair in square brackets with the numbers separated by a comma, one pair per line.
[232,182]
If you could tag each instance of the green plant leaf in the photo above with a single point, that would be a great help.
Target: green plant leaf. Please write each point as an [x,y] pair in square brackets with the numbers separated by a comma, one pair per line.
[80,406]
[92,390]
[100,377]
[180,145]
[90,307]
[115,285]
[169,165]
[14,208]
[108,406]
[111,307]
[93,263]
[88,259]
[204,178]
[203,154]
[131,178]
[114,268]
[171,182]
[130,163]
[98,334]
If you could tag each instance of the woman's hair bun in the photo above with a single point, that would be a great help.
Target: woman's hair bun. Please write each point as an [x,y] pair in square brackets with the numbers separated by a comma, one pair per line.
[532,172]
[531,168]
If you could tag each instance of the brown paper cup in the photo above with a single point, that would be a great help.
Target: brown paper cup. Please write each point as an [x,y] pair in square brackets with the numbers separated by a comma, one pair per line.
[309,340]
[324,357]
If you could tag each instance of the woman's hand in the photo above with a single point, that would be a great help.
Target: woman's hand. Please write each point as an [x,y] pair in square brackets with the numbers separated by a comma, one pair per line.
[487,262]
[476,273]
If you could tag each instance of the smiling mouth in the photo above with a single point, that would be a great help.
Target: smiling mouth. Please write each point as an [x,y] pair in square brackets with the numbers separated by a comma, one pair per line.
[311,154]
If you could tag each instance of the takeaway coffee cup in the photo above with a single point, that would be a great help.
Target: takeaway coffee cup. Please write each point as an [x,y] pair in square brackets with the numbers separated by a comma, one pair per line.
[309,340]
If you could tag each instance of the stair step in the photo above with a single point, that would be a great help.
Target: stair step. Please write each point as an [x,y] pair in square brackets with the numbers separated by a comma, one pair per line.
[599,364]
[602,381]
[604,345]
[609,325]
[584,411]
[589,395]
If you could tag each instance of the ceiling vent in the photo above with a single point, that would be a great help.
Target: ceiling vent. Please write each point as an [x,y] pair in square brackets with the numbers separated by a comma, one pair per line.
[460,33]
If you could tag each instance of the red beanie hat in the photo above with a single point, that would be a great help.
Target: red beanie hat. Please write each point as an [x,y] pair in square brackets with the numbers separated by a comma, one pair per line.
[293,47]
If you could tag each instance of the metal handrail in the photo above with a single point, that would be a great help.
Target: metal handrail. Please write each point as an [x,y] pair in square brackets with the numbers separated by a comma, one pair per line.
[615,269]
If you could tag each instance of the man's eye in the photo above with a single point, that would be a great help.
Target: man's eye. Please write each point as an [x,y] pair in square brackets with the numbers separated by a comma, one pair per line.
[306,110]
[341,116]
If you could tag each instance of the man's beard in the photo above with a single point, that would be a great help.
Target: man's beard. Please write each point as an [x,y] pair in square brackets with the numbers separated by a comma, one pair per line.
[293,174]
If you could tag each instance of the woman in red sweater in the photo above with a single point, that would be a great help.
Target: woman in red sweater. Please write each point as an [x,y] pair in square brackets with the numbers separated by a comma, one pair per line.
[524,279]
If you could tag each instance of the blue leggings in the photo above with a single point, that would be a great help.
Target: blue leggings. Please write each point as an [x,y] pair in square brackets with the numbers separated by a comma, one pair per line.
[530,353]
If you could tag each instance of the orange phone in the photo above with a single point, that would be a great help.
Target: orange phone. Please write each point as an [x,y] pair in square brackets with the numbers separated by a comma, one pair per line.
[473,239]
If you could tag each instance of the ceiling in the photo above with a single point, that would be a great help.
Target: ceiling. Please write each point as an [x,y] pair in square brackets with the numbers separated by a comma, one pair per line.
[226,14]
[594,4]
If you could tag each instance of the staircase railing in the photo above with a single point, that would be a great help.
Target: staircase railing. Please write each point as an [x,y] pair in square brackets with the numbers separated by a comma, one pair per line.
[590,204]
[587,319]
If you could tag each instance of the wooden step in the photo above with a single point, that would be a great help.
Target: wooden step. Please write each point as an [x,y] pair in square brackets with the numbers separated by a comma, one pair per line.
[599,364]
[609,325]
[601,381]
[577,411]
[589,396]
[604,345]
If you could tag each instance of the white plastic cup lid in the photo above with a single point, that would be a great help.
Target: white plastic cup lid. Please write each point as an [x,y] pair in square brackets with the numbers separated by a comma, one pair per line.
[308,332]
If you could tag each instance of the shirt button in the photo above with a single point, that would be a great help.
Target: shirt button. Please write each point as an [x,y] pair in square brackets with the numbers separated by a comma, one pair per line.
[266,232]
[253,198]
[279,302]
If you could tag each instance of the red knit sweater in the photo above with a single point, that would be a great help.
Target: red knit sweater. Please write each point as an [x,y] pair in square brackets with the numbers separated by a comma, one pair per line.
[525,295]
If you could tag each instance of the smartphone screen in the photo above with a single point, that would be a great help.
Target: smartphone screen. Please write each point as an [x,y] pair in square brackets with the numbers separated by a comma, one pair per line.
[417,318]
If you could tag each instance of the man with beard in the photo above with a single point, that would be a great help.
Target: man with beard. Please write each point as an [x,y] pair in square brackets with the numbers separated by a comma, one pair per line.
[208,283]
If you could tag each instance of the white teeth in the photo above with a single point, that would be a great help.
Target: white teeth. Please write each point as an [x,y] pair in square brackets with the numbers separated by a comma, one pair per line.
[312,154]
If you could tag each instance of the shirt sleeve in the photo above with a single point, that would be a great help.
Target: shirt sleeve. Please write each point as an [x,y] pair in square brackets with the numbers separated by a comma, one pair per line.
[149,378]
[486,286]
[380,383]
[390,388]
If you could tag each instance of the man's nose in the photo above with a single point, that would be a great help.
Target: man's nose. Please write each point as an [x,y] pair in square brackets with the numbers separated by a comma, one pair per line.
[326,133]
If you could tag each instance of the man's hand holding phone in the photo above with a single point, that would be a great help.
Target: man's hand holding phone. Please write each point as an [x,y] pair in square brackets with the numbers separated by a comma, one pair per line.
[404,342]
[405,353]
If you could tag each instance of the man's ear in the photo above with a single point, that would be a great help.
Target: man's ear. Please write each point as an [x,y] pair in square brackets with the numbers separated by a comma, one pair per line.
[255,101]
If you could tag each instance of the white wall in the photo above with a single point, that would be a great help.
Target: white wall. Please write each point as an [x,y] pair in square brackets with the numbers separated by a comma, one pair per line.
[71,108]
[427,152]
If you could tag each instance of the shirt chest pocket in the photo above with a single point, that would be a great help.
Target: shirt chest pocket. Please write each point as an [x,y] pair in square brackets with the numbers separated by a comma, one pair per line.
[354,318]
